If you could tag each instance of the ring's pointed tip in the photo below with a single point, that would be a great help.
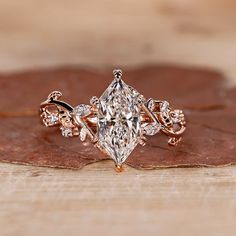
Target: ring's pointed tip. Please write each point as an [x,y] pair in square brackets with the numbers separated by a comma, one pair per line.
[117,73]
[119,168]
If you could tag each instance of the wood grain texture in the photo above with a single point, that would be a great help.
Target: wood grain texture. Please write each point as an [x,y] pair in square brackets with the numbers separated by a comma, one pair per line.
[98,201]
[125,33]
[95,200]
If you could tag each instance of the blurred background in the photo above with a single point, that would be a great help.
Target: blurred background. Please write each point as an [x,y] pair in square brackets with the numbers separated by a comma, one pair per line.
[107,33]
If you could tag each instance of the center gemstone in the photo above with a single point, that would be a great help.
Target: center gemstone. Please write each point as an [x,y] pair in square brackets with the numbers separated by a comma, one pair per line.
[119,123]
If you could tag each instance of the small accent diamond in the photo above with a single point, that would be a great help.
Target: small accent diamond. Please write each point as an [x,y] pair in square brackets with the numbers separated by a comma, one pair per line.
[53,118]
[151,104]
[165,106]
[152,129]
[94,101]
[50,119]
[83,134]
[177,116]
[66,132]
[82,110]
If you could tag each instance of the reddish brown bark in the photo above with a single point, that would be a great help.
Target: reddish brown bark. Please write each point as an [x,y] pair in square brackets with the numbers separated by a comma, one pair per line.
[210,139]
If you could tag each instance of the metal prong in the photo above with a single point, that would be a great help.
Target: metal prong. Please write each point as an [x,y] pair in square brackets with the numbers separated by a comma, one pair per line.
[94,101]
[150,104]
[173,141]
[95,139]
[54,95]
[141,99]
[117,73]
[119,168]
[142,141]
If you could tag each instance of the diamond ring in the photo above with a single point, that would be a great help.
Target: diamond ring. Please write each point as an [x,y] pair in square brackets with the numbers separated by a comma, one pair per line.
[117,121]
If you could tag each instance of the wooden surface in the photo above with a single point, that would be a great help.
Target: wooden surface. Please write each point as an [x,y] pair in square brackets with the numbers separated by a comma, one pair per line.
[98,201]
[125,33]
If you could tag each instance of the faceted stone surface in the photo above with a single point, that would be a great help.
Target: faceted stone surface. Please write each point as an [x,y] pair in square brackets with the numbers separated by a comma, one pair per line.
[152,129]
[66,132]
[119,121]
[82,110]
[51,119]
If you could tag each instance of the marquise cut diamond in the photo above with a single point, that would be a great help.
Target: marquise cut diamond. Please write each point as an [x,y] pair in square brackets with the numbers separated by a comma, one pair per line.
[119,123]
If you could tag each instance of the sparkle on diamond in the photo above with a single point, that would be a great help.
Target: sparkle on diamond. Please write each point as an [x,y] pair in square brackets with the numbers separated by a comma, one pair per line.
[119,120]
